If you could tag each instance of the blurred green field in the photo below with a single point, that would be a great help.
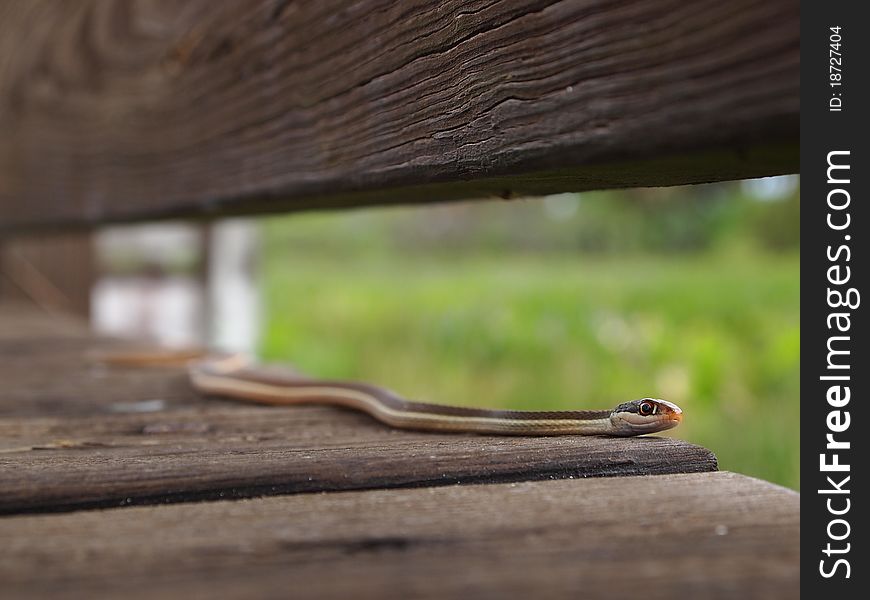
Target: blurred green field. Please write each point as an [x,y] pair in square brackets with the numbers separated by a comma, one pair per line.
[716,332]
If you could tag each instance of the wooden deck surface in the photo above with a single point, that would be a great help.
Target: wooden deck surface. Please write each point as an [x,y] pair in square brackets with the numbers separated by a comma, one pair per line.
[546,517]
[707,535]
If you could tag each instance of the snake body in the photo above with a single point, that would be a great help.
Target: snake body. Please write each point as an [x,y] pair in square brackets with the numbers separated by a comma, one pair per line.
[233,376]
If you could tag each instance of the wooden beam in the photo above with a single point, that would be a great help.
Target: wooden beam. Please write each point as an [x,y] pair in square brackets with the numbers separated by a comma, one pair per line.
[117,111]
[704,535]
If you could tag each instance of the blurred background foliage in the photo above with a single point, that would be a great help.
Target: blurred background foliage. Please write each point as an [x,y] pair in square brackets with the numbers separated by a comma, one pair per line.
[567,302]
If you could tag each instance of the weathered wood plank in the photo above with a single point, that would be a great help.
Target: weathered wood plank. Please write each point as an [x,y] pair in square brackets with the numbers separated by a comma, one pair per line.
[711,535]
[112,110]
[224,452]
[74,434]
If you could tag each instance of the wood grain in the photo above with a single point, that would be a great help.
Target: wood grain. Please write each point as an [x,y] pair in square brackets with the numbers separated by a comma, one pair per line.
[710,535]
[121,110]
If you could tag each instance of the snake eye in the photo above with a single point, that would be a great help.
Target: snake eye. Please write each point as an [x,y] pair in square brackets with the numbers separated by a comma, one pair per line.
[646,409]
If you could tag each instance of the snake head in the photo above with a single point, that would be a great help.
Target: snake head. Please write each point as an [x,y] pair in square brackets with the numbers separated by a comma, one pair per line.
[647,415]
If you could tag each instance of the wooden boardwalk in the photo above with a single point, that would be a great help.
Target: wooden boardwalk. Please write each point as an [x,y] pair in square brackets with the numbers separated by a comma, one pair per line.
[490,516]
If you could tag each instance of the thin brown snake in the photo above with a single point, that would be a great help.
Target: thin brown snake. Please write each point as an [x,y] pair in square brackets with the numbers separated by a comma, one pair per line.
[232,376]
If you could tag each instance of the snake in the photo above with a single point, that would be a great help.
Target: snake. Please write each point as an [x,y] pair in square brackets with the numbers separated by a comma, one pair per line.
[235,376]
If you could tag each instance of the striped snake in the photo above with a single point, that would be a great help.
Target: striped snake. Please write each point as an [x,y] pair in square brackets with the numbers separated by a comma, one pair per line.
[232,376]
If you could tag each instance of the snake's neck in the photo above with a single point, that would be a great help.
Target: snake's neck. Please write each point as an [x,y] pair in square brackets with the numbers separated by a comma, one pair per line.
[598,426]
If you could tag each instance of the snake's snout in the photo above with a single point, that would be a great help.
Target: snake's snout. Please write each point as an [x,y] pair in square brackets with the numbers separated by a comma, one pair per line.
[672,411]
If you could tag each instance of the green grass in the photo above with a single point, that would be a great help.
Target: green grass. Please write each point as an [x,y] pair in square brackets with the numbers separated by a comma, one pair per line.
[719,335]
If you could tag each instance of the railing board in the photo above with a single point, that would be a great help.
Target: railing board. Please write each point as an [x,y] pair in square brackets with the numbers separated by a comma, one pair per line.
[119,112]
